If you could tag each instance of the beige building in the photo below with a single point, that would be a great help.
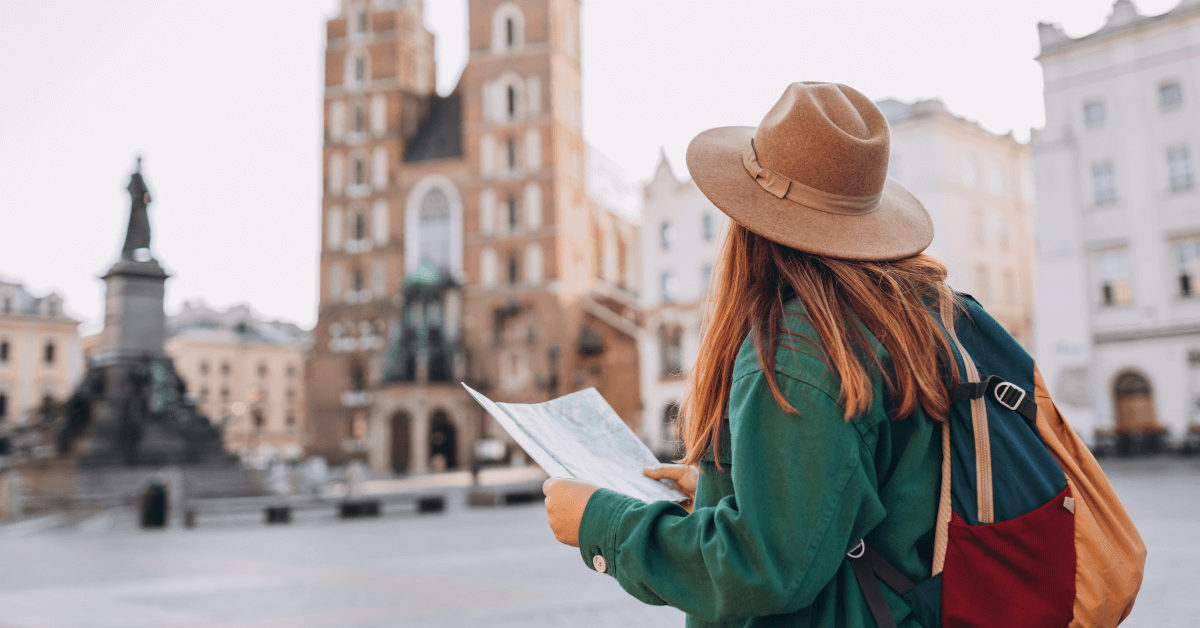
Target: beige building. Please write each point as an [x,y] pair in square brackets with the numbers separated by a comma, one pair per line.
[40,354]
[246,374]
[978,187]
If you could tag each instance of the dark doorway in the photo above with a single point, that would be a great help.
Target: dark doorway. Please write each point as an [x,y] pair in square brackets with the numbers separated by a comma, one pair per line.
[400,446]
[443,446]
[1135,404]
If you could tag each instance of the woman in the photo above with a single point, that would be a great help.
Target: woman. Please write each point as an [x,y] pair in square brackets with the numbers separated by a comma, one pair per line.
[812,410]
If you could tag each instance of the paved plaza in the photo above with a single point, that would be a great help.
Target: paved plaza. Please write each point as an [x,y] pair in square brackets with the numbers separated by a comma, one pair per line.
[479,567]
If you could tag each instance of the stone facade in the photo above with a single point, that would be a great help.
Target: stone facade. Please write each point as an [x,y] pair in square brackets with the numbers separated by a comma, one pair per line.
[978,188]
[40,353]
[246,373]
[1118,336]
[459,239]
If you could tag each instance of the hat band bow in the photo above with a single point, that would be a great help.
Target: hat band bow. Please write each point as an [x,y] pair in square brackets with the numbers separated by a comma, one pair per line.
[810,197]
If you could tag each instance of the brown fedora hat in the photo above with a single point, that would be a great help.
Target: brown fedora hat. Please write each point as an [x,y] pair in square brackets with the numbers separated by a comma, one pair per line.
[813,176]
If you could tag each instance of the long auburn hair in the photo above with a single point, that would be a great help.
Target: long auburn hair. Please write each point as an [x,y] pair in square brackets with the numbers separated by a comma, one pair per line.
[756,277]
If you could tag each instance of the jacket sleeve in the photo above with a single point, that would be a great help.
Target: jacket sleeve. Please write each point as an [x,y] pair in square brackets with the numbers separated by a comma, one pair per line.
[802,499]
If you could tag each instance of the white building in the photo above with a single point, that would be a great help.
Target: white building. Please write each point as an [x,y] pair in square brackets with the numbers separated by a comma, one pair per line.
[1117,336]
[978,188]
[679,236]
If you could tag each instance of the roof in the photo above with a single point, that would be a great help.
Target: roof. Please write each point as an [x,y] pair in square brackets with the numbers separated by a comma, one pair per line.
[16,301]
[440,135]
[1124,18]
[235,325]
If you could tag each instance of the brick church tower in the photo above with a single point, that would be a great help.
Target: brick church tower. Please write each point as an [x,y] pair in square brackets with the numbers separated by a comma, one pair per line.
[460,242]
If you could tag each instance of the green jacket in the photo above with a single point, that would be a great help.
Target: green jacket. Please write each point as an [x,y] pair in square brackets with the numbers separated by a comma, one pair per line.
[766,543]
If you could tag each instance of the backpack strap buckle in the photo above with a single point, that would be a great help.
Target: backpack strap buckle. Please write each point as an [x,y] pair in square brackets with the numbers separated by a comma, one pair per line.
[1003,393]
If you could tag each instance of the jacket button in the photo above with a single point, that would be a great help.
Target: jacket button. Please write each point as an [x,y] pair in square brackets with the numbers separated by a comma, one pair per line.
[599,563]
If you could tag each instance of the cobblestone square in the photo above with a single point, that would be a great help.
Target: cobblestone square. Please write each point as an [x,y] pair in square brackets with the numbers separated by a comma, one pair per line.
[490,567]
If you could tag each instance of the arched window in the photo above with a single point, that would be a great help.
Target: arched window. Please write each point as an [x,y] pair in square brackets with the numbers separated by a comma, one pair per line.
[514,268]
[508,28]
[358,376]
[513,213]
[667,235]
[360,118]
[360,171]
[49,353]
[360,69]
[358,280]
[1135,404]
[360,226]
[3,351]
[434,226]
[512,154]
[512,102]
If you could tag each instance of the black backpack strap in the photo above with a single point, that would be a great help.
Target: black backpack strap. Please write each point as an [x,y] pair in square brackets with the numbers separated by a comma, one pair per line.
[1004,392]
[868,564]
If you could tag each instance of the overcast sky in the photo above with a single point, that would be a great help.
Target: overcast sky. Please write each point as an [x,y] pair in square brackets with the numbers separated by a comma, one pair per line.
[222,98]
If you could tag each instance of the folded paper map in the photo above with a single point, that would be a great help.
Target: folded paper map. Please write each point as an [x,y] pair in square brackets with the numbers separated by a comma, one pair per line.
[580,436]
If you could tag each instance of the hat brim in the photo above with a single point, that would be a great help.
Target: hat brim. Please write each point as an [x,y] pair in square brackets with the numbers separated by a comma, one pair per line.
[899,228]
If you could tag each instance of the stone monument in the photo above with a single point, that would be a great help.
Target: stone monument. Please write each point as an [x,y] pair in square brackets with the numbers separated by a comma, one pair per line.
[130,417]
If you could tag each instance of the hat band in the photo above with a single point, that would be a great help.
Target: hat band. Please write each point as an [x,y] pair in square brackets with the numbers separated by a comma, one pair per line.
[809,197]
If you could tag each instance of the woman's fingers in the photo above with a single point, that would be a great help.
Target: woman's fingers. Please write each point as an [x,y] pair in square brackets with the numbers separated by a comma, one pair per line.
[684,476]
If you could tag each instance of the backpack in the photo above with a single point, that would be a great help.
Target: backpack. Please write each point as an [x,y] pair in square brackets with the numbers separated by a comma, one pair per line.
[1029,532]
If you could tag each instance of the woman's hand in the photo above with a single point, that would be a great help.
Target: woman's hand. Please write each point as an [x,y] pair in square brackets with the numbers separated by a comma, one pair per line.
[565,503]
[684,476]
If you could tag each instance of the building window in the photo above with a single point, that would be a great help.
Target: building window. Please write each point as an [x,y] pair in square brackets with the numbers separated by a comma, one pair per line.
[970,170]
[1010,287]
[48,353]
[203,396]
[512,101]
[260,420]
[1170,95]
[669,285]
[510,33]
[533,264]
[291,370]
[670,347]
[291,423]
[1005,233]
[358,376]
[1094,113]
[980,225]
[514,269]
[982,285]
[204,367]
[1187,262]
[224,395]
[487,268]
[511,147]
[1104,184]
[433,227]
[3,351]
[360,171]
[666,235]
[361,22]
[225,368]
[513,213]
[8,305]
[708,227]
[705,276]
[360,119]
[3,406]
[359,283]
[1112,274]
[262,369]
[1179,167]
[360,69]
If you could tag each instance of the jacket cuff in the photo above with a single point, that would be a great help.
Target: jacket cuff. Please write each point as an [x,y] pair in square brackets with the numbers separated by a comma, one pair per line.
[598,529]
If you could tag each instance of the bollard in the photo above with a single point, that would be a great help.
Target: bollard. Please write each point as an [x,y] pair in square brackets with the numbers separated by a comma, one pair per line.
[278,514]
[435,503]
[353,510]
